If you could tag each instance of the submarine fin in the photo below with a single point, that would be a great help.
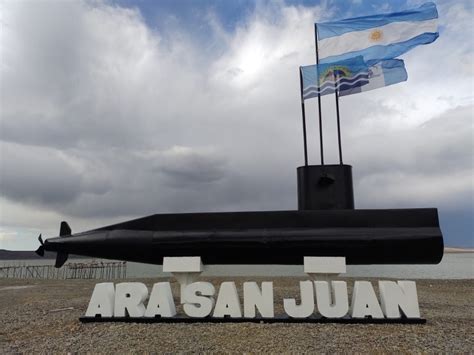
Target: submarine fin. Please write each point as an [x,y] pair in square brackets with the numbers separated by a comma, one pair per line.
[40,250]
[60,259]
[64,230]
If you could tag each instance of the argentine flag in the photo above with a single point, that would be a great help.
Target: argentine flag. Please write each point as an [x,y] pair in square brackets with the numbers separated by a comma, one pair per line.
[325,79]
[384,73]
[377,37]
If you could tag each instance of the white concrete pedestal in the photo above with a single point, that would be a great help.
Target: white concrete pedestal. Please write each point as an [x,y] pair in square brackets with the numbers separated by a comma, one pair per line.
[186,269]
[324,265]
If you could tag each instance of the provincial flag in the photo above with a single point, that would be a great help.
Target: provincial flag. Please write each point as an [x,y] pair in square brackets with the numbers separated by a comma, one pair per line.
[384,73]
[377,37]
[325,79]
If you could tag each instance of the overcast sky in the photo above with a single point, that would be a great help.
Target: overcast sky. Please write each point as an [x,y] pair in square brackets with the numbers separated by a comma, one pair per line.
[112,110]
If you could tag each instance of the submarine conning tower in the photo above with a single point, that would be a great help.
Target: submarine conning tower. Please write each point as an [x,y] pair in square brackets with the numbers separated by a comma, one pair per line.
[325,187]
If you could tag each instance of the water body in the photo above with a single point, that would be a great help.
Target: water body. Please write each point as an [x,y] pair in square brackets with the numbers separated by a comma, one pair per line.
[453,266]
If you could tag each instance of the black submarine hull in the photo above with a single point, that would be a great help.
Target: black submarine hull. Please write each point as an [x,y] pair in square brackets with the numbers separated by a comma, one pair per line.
[390,236]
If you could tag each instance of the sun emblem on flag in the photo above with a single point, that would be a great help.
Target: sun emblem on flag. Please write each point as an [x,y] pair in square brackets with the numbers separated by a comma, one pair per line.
[376,35]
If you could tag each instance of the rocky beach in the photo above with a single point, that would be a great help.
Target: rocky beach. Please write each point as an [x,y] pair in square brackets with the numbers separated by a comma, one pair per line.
[42,316]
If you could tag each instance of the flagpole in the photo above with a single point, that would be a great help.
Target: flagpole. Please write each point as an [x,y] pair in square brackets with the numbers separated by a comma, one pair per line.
[336,93]
[319,98]
[304,120]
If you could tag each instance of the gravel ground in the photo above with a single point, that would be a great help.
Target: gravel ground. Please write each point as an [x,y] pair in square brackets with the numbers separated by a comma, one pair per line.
[43,318]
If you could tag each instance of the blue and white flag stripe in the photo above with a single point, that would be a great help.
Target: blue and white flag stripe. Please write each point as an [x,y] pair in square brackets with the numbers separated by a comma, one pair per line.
[392,33]
[377,39]
[384,73]
[425,12]
[329,86]
[374,54]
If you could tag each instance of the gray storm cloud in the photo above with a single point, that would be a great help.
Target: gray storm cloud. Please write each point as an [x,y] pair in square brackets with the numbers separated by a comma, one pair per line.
[103,118]
[184,166]
[44,176]
[33,175]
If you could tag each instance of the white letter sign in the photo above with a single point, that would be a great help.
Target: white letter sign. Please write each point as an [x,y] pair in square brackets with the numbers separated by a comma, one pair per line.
[102,301]
[333,304]
[306,307]
[399,297]
[254,299]
[227,303]
[197,299]
[161,301]
[129,298]
[364,301]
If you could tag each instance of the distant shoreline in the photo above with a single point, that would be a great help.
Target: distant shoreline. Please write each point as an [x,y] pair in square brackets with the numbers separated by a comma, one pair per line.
[458,250]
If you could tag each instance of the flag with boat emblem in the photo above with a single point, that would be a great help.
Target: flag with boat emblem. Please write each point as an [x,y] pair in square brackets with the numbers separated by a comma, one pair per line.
[325,79]
[377,37]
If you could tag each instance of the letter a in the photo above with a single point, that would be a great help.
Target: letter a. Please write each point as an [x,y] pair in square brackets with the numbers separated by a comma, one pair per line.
[161,301]
[227,303]
[102,301]
[364,301]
